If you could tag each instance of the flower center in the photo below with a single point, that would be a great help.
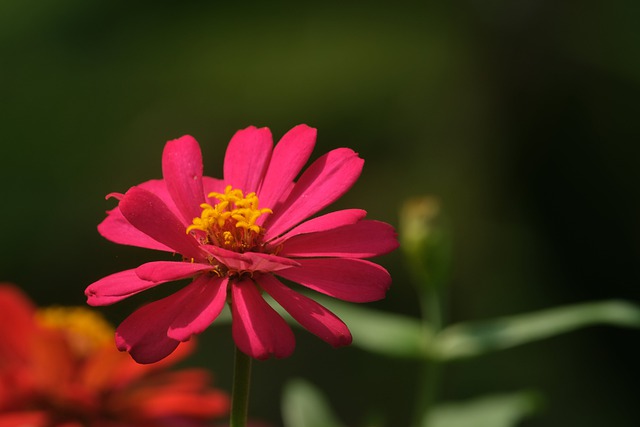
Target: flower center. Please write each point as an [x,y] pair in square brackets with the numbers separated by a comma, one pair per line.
[231,223]
[85,330]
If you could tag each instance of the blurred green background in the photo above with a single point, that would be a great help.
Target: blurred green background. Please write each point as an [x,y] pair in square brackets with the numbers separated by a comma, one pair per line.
[522,117]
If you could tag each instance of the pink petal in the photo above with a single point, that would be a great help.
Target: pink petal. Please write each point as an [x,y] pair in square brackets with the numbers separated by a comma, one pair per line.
[144,332]
[249,261]
[159,188]
[212,185]
[182,172]
[289,156]
[118,230]
[207,300]
[364,239]
[257,329]
[313,316]
[326,180]
[354,280]
[325,222]
[116,287]
[164,271]
[269,263]
[247,157]
[149,214]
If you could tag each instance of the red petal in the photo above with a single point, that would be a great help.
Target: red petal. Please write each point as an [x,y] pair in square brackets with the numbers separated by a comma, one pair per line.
[247,157]
[313,316]
[212,185]
[203,307]
[16,326]
[289,157]
[326,180]
[164,271]
[144,333]
[182,172]
[364,239]
[354,280]
[257,329]
[249,261]
[149,214]
[324,222]
[116,287]
[117,229]
[33,418]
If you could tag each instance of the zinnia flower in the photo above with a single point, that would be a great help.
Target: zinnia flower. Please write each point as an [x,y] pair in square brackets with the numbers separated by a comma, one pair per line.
[236,236]
[59,368]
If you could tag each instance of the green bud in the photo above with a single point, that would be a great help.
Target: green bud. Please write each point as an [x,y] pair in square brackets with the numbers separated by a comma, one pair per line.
[425,238]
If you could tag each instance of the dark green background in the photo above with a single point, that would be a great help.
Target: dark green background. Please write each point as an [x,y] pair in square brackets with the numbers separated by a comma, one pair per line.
[521,116]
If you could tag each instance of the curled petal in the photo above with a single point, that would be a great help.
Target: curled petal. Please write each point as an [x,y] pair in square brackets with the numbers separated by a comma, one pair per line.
[311,315]
[269,263]
[182,172]
[324,222]
[247,157]
[144,333]
[207,298]
[324,182]
[149,214]
[249,261]
[289,156]
[116,287]
[354,280]
[117,229]
[257,329]
[364,239]
[164,271]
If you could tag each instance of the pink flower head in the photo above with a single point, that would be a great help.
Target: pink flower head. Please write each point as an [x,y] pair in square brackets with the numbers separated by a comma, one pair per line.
[236,236]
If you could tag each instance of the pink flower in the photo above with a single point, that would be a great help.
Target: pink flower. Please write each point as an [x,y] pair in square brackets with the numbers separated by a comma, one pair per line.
[236,236]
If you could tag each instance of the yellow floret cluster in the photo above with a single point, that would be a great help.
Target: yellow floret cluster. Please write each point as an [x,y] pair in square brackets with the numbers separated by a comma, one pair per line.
[231,223]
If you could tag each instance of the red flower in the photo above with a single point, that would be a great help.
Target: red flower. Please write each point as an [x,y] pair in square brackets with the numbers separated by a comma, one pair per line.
[59,368]
[235,236]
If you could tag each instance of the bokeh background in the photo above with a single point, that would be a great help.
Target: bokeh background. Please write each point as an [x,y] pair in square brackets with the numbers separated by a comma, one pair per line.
[522,117]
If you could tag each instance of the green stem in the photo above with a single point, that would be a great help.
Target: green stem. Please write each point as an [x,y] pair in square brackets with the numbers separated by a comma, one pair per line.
[240,389]
[429,377]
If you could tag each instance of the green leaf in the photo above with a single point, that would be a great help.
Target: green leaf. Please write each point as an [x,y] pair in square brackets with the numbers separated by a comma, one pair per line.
[475,338]
[399,336]
[381,332]
[303,405]
[502,410]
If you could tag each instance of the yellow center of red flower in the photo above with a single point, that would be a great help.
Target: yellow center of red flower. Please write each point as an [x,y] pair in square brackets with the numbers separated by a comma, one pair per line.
[85,330]
[231,223]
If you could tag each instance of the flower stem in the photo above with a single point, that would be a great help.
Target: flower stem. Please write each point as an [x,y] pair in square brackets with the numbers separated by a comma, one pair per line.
[429,378]
[240,389]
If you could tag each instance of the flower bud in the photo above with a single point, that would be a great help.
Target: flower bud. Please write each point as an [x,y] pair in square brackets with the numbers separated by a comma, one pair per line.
[425,238]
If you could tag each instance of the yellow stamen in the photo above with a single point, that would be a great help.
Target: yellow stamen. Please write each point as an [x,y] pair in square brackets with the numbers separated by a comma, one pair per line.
[85,330]
[231,223]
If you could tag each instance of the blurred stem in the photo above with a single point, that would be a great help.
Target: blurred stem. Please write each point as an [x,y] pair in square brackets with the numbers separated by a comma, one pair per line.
[431,303]
[240,389]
